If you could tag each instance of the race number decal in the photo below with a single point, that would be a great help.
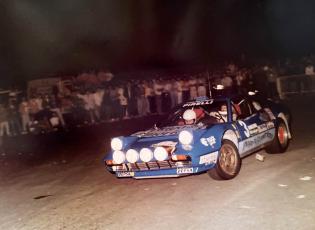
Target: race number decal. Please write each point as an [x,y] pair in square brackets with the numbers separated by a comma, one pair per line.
[246,131]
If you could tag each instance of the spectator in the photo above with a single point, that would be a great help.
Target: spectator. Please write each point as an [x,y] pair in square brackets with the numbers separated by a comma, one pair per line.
[143,105]
[202,91]
[309,72]
[186,91]
[106,105]
[158,89]
[25,116]
[98,97]
[227,83]
[33,108]
[151,97]
[239,82]
[14,121]
[4,123]
[166,96]
[55,105]
[91,106]
[179,90]
[173,93]
[114,103]
[130,93]
[192,88]
[123,102]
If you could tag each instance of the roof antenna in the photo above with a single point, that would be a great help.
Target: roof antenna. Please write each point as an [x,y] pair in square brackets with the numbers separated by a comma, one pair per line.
[209,83]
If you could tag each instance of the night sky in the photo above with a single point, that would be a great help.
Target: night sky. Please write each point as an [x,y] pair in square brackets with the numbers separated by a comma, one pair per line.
[48,38]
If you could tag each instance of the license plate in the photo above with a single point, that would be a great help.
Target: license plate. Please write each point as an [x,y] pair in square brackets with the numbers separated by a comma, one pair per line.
[185,170]
[125,174]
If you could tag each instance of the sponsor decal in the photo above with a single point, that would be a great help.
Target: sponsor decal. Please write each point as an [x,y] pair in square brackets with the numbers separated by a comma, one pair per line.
[195,103]
[185,170]
[262,128]
[209,158]
[125,174]
[253,129]
[165,144]
[270,125]
[256,141]
[246,130]
[208,141]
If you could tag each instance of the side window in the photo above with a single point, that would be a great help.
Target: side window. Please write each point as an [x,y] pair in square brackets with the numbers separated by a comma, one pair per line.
[256,106]
[244,108]
[263,115]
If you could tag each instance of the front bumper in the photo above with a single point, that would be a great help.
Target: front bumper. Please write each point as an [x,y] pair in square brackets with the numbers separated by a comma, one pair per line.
[164,173]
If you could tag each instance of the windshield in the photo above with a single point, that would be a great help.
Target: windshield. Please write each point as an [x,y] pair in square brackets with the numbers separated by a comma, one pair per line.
[198,113]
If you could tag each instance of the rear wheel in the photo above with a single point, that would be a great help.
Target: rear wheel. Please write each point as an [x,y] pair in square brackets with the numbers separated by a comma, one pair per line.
[281,140]
[228,163]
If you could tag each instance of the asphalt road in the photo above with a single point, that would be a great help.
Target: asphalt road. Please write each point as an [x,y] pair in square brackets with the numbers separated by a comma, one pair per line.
[58,181]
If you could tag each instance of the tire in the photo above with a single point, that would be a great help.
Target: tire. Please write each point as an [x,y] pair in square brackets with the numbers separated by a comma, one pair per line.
[228,163]
[281,140]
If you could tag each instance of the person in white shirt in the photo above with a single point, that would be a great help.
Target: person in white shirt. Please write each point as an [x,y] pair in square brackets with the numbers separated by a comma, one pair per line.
[158,89]
[89,105]
[227,83]
[25,116]
[98,98]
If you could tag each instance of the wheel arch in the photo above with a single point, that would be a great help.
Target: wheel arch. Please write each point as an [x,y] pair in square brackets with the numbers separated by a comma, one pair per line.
[231,136]
[283,117]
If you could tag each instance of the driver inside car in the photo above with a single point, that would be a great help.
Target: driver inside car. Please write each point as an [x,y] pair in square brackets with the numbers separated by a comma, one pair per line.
[222,114]
[192,116]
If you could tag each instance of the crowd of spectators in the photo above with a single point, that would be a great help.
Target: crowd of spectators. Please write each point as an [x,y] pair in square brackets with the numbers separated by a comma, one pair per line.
[123,98]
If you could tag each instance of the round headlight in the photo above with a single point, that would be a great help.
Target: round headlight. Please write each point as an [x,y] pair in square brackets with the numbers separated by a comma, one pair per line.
[185,137]
[116,144]
[132,156]
[119,157]
[160,154]
[146,154]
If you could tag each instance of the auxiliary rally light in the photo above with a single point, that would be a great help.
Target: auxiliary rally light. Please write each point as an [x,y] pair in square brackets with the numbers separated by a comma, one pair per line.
[185,137]
[116,144]
[146,154]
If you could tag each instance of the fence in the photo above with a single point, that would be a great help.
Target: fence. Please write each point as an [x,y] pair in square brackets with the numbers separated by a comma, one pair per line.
[295,84]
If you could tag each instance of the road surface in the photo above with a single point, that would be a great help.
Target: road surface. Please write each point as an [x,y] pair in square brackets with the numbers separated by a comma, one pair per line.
[59,182]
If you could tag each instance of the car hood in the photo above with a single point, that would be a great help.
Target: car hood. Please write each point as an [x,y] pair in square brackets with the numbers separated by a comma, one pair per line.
[166,136]
[166,131]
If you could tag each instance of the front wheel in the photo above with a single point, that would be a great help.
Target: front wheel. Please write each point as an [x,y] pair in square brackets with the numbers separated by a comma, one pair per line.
[228,163]
[281,140]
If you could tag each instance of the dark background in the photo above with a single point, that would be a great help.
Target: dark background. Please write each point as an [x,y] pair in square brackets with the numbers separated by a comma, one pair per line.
[51,38]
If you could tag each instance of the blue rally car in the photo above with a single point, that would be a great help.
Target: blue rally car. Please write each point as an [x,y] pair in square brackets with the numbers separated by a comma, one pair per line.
[204,135]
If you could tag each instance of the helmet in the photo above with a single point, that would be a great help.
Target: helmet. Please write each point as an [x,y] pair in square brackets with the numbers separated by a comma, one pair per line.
[189,114]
